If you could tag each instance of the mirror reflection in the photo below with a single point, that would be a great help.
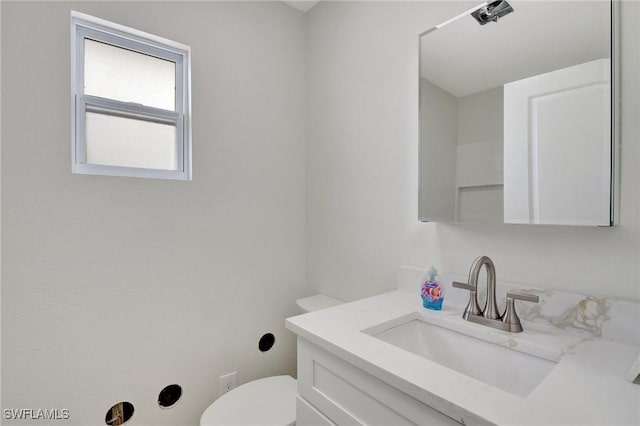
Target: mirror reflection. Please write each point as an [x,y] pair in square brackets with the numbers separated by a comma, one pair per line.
[515,115]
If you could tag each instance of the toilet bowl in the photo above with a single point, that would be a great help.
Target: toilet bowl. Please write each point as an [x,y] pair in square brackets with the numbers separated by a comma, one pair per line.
[268,401]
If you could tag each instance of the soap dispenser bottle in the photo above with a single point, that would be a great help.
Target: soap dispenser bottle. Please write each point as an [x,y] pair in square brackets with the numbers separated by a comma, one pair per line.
[432,292]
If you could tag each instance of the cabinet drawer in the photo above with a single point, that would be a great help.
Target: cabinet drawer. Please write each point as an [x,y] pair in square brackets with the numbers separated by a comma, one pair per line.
[349,396]
[308,415]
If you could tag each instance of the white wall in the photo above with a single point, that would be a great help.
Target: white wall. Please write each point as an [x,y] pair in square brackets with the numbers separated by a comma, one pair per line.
[363,170]
[480,117]
[461,153]
[114,287]
[480,158]
[438,113]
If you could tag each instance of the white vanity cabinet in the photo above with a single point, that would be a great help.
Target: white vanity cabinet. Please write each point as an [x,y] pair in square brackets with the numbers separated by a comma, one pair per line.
[351,373]
[332,391]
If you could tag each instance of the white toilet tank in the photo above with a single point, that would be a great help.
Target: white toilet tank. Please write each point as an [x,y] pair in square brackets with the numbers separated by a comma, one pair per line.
[269,401]
[317,302]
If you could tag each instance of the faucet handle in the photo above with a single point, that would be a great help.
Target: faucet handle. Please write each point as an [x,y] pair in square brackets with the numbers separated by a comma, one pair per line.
[510,317]
[464,286]
[522,296]
[472,307]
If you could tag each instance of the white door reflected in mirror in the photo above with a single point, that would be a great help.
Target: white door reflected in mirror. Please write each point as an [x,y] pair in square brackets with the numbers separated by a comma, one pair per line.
[557,146]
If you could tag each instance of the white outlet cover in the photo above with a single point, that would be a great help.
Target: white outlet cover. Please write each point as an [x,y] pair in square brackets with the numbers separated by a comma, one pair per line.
[228,381]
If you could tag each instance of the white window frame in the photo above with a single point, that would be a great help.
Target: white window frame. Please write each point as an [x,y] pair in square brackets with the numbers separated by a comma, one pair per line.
[86,26]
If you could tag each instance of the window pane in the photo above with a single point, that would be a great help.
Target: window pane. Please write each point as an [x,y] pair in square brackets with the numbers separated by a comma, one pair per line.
[124,75]
[120,141]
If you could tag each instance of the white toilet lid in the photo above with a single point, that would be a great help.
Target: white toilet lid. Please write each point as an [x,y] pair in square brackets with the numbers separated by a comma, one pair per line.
[266,402]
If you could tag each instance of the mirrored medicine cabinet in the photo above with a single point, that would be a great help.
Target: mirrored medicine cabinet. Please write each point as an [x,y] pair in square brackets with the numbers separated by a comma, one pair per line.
[518,112]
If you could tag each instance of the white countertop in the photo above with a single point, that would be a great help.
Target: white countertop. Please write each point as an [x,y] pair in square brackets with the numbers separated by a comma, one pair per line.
[587,387]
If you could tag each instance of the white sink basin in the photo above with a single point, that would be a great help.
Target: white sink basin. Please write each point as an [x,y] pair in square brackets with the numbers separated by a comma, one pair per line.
[507,369]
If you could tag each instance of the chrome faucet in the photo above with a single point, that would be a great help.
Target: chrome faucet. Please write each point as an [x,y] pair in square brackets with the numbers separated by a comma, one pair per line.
[490,309]
[489,315]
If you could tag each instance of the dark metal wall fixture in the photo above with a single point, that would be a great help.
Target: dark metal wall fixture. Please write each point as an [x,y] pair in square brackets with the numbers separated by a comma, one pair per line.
[169,396]
[119,414]
[266,342]
[492,12]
